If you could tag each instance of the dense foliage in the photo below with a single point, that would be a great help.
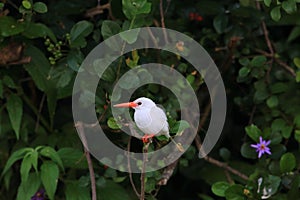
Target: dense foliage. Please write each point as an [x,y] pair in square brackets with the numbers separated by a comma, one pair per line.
[255,44]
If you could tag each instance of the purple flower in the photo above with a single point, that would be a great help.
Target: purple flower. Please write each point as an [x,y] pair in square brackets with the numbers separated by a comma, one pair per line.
[39,195]
[262,147]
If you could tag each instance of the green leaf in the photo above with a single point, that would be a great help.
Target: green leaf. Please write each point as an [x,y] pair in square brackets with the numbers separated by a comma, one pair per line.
[130,81]
[65,78]
[272,183]
[253,132]
[72,158]
[38,30]
[297,135]
[25,167]
[267,2]
[39,68]
[258,61]
[298,76]
[130,36]
[272,101]
[248,152]
[49,177]
[109,28]
[111,122]
[287,162]
[74,191]
[74,59]
[51,103]
[244,61]
[225,153]
[10,26]
[78,33]
[14,108]
[276,14]
[278,124]
[26,4]
[28,188]
[1,89]
[289,6]
[277,151]
[235,192]
[112,191]
[9,82]
[244,71]
[219,188]
[279,87]
[49,152]
[295,33]
[40,7]
[34,159]
[17,155]
[297,62]
[220,23]
[133,8]
[179,126]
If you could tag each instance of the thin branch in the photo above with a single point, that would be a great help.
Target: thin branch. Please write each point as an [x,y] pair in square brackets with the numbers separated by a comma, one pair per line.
[145,158]
[167,173]
[80,128]
[278,61]
[162,21]
[219,163]
[266,32]
[212,160]
[129,169]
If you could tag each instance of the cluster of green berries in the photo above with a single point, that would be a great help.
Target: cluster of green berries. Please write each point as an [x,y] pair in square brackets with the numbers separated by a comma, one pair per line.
[55,50]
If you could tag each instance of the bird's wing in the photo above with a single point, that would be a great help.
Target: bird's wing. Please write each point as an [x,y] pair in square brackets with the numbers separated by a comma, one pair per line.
[159,121]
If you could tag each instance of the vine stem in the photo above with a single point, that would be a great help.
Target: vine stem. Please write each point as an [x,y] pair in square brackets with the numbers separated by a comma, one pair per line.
[79,126]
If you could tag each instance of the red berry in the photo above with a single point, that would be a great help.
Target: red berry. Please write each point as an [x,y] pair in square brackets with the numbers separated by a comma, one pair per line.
[192,16]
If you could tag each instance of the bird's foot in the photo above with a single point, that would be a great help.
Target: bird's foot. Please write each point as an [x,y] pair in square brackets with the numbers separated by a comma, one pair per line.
[147,138]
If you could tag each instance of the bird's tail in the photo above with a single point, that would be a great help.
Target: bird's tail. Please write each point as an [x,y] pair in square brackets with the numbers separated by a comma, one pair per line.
[178,145]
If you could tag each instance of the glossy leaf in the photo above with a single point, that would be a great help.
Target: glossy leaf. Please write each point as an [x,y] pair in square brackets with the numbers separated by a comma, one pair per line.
[38,30]
[235,192]
[275,13]
[25,167]
[248,152]
[72,158]
[253,132]
[15,112]
[133,8]
[49,152]
[219,188]
[28,188]
[49,177]
[40,7]
[287,162]
[10,26]
[17,155]
[78,33]
[220,23]
[74,191]
[272,101]
[289,6]
[111,122]
[112,191]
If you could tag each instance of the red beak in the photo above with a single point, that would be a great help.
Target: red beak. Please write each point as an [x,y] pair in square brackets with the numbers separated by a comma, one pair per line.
[126,105]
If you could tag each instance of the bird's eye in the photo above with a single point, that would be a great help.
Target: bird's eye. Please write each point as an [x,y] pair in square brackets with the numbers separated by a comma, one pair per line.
[139,103]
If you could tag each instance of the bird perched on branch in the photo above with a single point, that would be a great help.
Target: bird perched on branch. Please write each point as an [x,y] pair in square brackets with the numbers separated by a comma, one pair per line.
[149,118]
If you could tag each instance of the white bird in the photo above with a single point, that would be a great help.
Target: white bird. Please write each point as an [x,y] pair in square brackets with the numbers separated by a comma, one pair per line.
[149,118]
